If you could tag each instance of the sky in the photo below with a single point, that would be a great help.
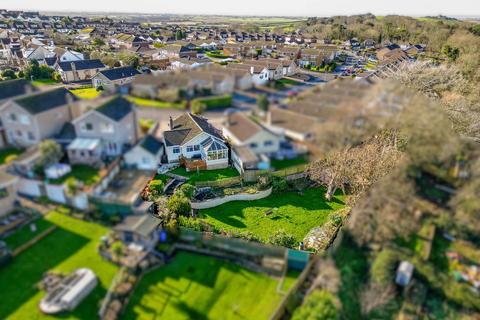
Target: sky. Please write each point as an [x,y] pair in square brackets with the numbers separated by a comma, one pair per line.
[256,7]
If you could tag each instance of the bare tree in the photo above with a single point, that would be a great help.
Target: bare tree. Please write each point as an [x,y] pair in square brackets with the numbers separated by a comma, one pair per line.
[374,296]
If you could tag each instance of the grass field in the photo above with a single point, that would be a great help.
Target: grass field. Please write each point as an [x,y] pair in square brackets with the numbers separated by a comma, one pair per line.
[199,287]
[86,174]
[206,175]
[157,104]
[24,234]
[5,153]
[288,163]
[86,93]
[294,213]
[72,245]
[44,82]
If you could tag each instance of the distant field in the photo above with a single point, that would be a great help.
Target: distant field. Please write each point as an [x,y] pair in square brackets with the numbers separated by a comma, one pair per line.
[199,287]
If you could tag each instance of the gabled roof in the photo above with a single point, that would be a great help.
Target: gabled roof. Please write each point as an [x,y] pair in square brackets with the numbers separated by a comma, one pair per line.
[151,144]
[116,108]
[44,101]
[17,87]
[81,65]
[119,73]
[186,127]
[241,126]
[143,225]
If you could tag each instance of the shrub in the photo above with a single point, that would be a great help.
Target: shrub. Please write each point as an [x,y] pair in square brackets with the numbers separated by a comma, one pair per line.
[179,204]
[320,305]
[187,190]
[383,267]
[282,238]
[280,185]
[11,158]
[198,107]
[156,188]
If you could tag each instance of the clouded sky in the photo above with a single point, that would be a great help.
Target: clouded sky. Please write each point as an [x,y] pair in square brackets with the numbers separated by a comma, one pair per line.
[256,7]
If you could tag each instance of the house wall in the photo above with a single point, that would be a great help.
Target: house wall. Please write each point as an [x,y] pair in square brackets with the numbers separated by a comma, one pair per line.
[78,75]
[114,135]
[7,202]
[51,122]
[183,149]
[142,159]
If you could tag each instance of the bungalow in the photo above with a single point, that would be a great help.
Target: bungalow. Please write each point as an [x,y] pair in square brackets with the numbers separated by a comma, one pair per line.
[29,119]
[194,142]
[146,155]
[139,229]
[245,133]
[80,70]
[178,51]
[107,130]
[111,78]
[310,57]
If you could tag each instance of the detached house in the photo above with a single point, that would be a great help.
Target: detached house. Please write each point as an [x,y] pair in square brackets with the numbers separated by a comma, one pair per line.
[80,70]
[111,78]
[29,119]
[195,143]
[105,131]
[146,155]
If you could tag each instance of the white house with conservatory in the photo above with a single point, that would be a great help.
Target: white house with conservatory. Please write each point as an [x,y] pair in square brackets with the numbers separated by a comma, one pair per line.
[192,141]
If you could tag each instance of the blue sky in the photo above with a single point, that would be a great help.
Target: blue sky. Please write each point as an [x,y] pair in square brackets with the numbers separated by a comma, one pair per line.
[256,7]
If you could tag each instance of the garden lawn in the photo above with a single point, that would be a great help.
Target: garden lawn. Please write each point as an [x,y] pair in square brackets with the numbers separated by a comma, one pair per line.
[5,153]
[157,103]
[72,245]
[295,213]
[199,287]
[24,234]
[288,163]
[86,174]
[206,175]
[44,82]
[86,93]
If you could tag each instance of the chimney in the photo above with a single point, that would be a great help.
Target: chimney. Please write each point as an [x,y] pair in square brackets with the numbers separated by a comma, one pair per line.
[171,123]
[74,71]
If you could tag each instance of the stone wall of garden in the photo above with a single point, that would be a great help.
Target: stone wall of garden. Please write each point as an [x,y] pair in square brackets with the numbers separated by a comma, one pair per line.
[210,203]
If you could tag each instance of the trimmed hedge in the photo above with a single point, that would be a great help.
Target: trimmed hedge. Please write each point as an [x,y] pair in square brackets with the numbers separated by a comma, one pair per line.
[215,102]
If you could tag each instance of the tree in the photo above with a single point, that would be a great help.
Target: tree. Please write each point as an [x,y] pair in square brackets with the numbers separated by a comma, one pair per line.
[179,34]
[179,204]
[383,267]
[156,189]
[320,305]
[9,74]
[282,238]
[374,296]
[36,71]
[452,53]
[51,152]
[198,107]
[73,186]
[117,249]
[98,42]
[262,103]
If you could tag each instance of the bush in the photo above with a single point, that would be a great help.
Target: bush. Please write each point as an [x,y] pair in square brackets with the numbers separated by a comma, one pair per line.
[282,238]
[280,185]
[179,204]
[187,190]
[8,74]
[320,305]
[383,267]
[198,107]
[11,158]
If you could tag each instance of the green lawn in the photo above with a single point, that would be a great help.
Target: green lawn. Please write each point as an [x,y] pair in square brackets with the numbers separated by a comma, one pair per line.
[86,174]
[5,153]
[295,213]
[206,175]
[86,93]
[43,82]
[72,245]
[24,234]
[288,163]
[157,103]
[200,287]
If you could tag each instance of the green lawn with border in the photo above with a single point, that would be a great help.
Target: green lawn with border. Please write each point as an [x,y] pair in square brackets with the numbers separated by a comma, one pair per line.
[25,234]
[72,245]
[86,93]
[142,102]
[206,175]
[86,174]
[295,213]
[199,287]
[5,153]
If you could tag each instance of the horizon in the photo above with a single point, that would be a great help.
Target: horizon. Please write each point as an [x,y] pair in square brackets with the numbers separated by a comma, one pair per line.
[304,8]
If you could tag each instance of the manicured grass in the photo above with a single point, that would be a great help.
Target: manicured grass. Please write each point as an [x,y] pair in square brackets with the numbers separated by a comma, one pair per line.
[200,287]
[288,163]
[72,245]
[43,82]
[24,234]
[206,175]
[86,93]
[286,81]
[157,104]
[5,153]
[86,174]
[214,102]
[295,213]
